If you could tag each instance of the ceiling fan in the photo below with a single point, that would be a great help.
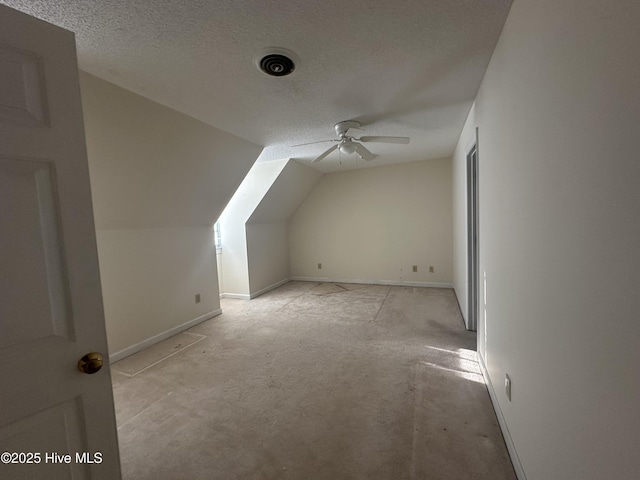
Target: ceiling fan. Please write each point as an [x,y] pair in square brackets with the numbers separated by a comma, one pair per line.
[348,144]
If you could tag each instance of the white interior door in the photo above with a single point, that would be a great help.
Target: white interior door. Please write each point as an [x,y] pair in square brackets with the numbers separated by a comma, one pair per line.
[51,310]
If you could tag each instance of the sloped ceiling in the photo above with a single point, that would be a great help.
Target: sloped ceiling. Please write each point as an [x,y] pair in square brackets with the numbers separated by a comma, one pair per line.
[400,67]
[288,191]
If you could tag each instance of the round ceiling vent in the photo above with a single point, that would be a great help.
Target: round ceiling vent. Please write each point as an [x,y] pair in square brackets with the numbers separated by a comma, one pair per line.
[276,65]
[276,62]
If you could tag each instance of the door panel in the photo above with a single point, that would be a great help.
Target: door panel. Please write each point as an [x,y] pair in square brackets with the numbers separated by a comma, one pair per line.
[39,433]
[21,98]
[38,289]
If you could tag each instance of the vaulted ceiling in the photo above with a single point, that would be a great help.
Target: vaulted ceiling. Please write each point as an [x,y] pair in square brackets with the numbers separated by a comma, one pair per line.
[401,67]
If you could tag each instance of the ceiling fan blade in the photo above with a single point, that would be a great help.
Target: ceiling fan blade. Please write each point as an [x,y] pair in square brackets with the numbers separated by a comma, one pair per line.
[401,140]
[364,153]
[313,143]
[325,154]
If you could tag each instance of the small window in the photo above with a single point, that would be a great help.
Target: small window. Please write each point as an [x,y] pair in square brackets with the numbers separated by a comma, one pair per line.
[218,237]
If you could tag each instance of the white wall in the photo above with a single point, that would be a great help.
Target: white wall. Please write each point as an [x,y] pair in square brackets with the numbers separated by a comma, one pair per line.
[159,180]
[267,228]
[558,116]
[374,224]
[149,278]
[267,255]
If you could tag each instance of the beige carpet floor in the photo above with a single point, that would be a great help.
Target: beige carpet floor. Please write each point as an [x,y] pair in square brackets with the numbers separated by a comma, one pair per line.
[313,382]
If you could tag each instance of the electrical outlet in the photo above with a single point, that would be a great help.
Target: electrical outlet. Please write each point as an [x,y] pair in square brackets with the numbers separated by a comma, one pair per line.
[197,298]
[507,386]
[319,266]
[415,268]
[431,269]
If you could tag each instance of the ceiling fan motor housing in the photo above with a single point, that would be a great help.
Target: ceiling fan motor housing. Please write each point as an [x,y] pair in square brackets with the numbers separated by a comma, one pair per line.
[343,127]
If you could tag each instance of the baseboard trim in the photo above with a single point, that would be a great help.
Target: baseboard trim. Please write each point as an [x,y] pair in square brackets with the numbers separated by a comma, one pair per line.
[462,312]
[125,352]
[269,288]
[239,296]
[511,448]
[374,282]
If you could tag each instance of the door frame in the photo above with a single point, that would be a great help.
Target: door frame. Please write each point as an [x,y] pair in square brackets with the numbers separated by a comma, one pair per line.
[472,235]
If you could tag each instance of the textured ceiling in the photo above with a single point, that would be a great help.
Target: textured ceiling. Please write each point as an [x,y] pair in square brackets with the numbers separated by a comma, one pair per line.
[407,68]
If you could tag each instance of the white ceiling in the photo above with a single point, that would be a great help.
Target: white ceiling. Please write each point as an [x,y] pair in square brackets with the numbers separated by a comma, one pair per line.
[400,67]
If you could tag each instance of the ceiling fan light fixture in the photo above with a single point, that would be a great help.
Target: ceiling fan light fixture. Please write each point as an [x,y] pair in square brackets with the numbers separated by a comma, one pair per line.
[348,148]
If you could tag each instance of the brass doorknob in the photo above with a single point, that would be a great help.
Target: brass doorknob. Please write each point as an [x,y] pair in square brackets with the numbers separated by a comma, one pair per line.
[90,363]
